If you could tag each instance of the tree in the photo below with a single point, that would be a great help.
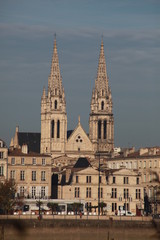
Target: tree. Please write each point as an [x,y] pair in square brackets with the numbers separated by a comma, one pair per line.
[52,206]
[102,205]
[39,203]
[7,196]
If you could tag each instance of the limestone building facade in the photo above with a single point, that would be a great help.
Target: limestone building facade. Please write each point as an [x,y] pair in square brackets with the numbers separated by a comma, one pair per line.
[31,172]
[3,160]
[55,139]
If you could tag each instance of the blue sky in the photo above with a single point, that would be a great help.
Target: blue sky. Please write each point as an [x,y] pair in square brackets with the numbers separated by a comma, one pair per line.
[131,36]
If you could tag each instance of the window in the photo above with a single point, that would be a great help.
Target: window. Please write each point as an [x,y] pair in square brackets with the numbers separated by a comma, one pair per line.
[126,164]
[150,163]
[105,129]
[33,192]
[135,165]
[88,192]
[55,104]
[58,129]
[144,177]
[52,129]
[22,161]
[140,164]
[130,165]
[12,161]
[126,207]
[144,164]
[114,207]
[33,175]
[88,179]
[137,180]
[150,177]
[34,161]
[114,179]
[114,193]
[99,129]
[102,105]
[43,176]
[100,179]
[43,192]
[1,155]
[126,193]
[77,192]
[21,191]
[77,180]
[12,174]
[125,180]
[138,193]
[89,206]
[155,163]
[43,161]
[100,192]
[1,170]
[22,175]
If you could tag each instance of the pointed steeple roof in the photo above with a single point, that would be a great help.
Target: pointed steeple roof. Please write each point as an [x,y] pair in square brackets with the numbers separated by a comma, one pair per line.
[55,80]
[101,82]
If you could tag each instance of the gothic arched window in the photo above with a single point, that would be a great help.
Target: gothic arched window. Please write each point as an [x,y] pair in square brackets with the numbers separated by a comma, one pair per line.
[105,129]
[52,129]
[58,129]
[102,105]
[99,129]
[55,104]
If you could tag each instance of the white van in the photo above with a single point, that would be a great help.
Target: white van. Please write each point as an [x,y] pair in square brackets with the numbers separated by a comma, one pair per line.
[125,213]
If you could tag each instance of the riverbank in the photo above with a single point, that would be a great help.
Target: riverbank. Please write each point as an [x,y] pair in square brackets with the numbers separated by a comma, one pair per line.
[75,221]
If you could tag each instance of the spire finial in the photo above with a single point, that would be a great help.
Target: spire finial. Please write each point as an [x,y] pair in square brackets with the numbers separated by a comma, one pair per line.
[79,120]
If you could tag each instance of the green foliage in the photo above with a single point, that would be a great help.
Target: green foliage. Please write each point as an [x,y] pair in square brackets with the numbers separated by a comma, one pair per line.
[102,205]
[52,206]
[7,196]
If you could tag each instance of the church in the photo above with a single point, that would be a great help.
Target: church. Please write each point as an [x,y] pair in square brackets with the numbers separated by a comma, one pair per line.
[55,138]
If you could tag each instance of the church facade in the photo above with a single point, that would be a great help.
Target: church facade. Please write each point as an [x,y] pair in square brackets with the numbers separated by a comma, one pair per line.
[55,139]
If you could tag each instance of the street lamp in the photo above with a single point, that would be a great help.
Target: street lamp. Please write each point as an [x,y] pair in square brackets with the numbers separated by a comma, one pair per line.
[99,188]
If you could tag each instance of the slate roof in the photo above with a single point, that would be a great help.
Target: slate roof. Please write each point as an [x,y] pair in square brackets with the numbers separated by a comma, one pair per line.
[69,132]
[31,139]
[82,163]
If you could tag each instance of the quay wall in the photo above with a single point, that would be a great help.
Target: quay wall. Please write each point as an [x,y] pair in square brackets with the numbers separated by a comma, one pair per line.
[53,222]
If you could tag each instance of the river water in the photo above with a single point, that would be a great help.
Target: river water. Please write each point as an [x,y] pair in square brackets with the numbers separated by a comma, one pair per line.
[81,234]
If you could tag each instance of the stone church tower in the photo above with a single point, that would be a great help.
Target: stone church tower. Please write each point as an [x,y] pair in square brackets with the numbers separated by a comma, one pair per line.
[101,122]
[53,111]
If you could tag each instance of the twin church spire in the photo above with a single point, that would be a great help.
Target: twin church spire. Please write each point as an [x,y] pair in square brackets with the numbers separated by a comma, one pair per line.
[54,116]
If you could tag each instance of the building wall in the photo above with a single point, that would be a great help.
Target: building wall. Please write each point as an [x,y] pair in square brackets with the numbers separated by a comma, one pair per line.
[3,160]
[16,166]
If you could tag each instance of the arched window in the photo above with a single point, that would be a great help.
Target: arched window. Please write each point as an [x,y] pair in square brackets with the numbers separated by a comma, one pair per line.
[58,129]
[102,105]
[105,129]
[99,129]
[55,104]
[55,91]
[52,129]
[102,92]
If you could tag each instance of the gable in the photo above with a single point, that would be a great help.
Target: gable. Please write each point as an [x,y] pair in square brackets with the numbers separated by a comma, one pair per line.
[79,141]
[124,172]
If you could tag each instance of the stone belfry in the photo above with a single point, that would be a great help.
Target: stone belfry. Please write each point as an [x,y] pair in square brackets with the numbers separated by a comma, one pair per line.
[53,111]
[101,121]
